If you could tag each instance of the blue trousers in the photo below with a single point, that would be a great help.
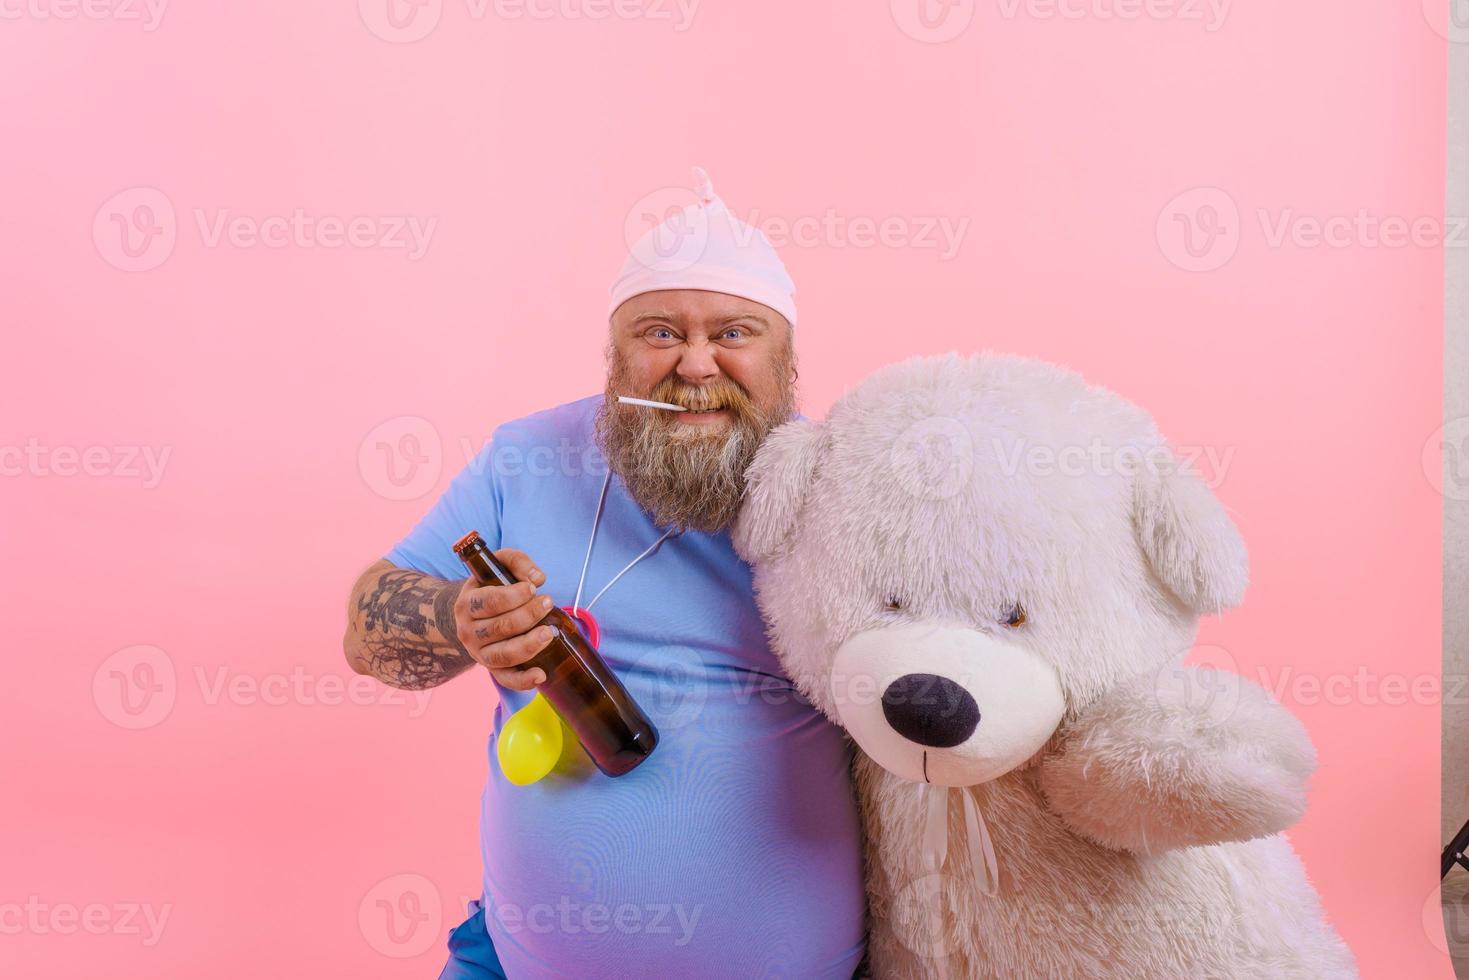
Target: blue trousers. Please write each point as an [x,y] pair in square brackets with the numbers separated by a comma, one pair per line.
[471,954]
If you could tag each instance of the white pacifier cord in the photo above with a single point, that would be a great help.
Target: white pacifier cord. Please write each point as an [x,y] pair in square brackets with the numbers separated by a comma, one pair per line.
[597,519]
[601,502]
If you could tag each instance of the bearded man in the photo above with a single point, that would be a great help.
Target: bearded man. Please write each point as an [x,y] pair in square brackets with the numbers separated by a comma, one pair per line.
[734,849]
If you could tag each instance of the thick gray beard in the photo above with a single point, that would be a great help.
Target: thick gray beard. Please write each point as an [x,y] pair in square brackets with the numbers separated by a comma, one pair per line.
[685,479]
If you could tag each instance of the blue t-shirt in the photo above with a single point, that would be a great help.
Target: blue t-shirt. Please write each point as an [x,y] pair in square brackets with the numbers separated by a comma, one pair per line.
[734,850]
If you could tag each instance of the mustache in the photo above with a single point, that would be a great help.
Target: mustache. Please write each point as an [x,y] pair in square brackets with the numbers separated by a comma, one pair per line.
[688,476]
[704,398]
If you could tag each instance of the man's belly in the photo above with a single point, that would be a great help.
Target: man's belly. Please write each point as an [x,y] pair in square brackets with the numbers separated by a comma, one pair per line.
[734,850]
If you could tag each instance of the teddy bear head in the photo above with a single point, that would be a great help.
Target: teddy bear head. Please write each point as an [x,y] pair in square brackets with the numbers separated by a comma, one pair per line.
[970,550]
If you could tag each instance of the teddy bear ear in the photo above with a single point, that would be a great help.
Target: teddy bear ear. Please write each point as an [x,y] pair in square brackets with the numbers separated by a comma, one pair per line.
[775,488]
[1189,540]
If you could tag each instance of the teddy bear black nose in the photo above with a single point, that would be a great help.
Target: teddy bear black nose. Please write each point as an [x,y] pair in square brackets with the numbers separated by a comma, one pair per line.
[930,710]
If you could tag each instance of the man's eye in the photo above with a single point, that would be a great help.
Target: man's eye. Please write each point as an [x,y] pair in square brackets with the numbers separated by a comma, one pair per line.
[1015,618]
[736,331]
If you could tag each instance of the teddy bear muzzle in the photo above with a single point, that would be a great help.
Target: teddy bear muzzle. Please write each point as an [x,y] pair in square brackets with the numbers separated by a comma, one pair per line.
[937,703]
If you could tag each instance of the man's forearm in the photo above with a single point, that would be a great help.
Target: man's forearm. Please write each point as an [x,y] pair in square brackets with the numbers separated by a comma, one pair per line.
[400,628]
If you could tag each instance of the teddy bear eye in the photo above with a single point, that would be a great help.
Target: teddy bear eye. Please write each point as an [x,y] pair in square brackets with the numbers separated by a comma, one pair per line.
[892,603]
[1016,617]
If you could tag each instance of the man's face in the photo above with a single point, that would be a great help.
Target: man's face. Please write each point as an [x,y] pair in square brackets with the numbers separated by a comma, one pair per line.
[696,340]
[731,362]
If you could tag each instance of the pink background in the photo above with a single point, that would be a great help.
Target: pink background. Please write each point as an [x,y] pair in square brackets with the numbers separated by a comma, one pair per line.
[288,832]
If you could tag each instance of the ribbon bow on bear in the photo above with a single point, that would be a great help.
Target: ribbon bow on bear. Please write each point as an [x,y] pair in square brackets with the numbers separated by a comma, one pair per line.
[934,850]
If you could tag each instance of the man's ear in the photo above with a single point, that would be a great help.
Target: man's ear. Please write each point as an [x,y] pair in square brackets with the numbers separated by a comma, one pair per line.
[776,484]
[1192,545]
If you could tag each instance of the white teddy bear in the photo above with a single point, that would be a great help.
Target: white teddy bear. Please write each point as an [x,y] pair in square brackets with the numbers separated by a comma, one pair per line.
[988,573]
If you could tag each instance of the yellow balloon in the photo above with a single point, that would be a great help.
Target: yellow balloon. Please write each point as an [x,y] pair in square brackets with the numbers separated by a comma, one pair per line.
[530,743]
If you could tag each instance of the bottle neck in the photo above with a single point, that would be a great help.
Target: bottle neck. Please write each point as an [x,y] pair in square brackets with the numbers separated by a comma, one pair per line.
[484,566]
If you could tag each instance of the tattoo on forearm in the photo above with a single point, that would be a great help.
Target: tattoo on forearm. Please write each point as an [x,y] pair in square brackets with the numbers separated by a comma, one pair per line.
[397,619]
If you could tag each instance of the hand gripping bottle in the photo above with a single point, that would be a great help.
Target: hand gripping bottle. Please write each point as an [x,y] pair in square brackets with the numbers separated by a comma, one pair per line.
[579,685]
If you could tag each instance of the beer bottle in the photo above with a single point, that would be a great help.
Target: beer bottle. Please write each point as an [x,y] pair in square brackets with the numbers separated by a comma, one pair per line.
[579,685]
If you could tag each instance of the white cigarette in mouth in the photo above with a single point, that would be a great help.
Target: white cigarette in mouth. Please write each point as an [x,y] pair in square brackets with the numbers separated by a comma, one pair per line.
[651,404]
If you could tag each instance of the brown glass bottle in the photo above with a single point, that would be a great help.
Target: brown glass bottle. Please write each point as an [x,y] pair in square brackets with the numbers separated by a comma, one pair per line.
[579,685]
